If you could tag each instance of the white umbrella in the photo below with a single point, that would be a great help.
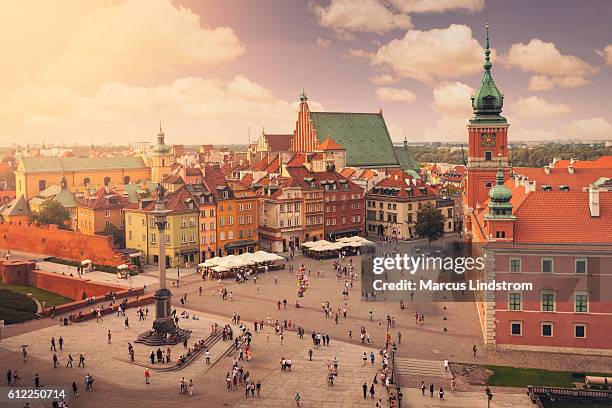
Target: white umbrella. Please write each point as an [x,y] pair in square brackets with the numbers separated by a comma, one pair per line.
[309,244]
[220,268]
[344,239]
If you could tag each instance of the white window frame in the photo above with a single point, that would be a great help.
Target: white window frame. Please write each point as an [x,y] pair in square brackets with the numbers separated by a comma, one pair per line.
[585,330]
[552,265]
[520,265]
[520,323]
[586,266]
[520,301]
[552,329]
[576,294]
[548,292]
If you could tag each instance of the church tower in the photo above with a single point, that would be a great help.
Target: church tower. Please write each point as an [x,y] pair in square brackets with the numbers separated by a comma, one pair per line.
[161,158]
[305,134]
[487,137]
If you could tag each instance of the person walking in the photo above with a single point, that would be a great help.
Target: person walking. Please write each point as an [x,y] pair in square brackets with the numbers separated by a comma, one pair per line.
[24,352]
[446,364]
[190,387]
[127,323]
[372,391]
[364,358]
[81,360]
[52,344]
[310,354]
[69,363]
[36,381]
[441,392]
[297,398]
[365,390]
[55,364]
[453,384]
[9,377]
[431,390]
[75,390]
[423,387]
[207,355]
[474,349]
[147,376]
[61,342]
[371,358]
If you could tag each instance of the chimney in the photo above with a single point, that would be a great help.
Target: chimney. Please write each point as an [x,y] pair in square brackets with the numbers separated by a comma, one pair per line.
[594,200]
[530,186]
[570,169]
[547,169]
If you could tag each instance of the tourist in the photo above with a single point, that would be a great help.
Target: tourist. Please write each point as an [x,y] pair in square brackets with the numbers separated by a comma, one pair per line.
[423,387]
[52,344]
[310,354]
[372,391]
[453,384]
[24,352]
[474,349]
[61,343]
[445,364]
[207,355]
[9,377]
[365,390]
[55,364]
[69,363]
[297,398]
[147,376]
[441,393]
[190,386]
[75,390]
[109,336]
[431,390]
[36,381]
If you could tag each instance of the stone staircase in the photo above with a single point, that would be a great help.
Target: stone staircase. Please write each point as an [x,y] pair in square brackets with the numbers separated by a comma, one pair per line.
[421,368]
[209,342]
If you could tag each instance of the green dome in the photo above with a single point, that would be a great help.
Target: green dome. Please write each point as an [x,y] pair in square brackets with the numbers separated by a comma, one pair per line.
[500,194]
[161,147]
[488,101]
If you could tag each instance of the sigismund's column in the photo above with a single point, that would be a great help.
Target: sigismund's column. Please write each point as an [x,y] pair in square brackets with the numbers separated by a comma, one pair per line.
[164,323]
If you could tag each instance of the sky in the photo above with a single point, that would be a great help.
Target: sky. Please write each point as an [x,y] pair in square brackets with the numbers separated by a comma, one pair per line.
[108,71]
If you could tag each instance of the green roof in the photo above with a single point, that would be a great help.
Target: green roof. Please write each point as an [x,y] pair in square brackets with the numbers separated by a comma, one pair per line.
[68,164]
[364,136]
[55,193]
[488,101]
[405,159]
[18,206]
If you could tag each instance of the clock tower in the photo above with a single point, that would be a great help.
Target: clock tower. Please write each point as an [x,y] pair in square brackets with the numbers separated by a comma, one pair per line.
[487,137]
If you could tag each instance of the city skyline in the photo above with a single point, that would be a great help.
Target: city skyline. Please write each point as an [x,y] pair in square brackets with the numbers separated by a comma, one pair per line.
[210,71]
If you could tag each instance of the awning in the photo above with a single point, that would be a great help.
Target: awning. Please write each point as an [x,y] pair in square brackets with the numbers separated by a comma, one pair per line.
[241,243]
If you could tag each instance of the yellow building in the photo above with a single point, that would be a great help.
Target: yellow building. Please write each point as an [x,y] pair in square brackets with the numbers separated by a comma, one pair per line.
[35,174]
[182,238]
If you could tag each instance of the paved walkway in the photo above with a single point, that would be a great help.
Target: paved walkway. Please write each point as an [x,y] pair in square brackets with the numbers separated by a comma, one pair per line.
[414,398]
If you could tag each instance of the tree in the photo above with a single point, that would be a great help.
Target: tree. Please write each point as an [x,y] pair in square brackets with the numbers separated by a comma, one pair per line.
[52,212]
[430,223]
[117,234]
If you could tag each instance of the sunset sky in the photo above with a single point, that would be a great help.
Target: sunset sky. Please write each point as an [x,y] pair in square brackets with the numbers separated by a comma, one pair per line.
[109,70]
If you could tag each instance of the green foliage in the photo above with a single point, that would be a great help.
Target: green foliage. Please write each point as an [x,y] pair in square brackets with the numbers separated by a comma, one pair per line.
[51,212]
[430,223]
[16,307]
[536,156]
[117,234]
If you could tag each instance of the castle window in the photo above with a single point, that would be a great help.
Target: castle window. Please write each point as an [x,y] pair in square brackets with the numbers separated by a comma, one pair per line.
[488,155]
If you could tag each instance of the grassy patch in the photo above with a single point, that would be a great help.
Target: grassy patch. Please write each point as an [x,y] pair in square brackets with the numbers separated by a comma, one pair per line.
[97,267]
[50,298]
[522,377]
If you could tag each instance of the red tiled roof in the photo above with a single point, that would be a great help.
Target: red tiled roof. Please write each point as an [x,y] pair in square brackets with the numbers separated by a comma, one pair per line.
[563,217]
[581,178]
[297,160]
[215,182]
[176,201]
[601,162]
[397,180]
[192,171]
[174,179]
[330,144]
[262,163]
[347,172]
[279,143]
[101,200]
[247,180]
[273,166]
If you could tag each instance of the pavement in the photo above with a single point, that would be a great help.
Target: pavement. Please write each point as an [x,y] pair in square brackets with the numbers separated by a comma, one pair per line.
[420,353]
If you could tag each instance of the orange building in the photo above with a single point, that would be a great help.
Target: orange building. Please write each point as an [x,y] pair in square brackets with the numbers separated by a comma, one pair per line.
[97,212]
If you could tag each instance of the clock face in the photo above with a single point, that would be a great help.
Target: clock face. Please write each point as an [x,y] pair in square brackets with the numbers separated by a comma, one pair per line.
[487,139]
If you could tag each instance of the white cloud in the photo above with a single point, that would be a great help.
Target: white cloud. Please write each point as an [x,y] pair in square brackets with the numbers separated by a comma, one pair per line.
[447,128]
[533,134]
[389,94]
[554,68]
[453,99]
[536,107]
[426,56]
[124,41]
[606,54]
[354,16]
[592,128]
[191,106]
[384,79]
[323,42]
[438,6]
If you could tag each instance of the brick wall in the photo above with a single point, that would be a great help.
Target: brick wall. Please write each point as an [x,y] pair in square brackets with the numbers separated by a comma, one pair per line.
[69,286]
[49,240]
